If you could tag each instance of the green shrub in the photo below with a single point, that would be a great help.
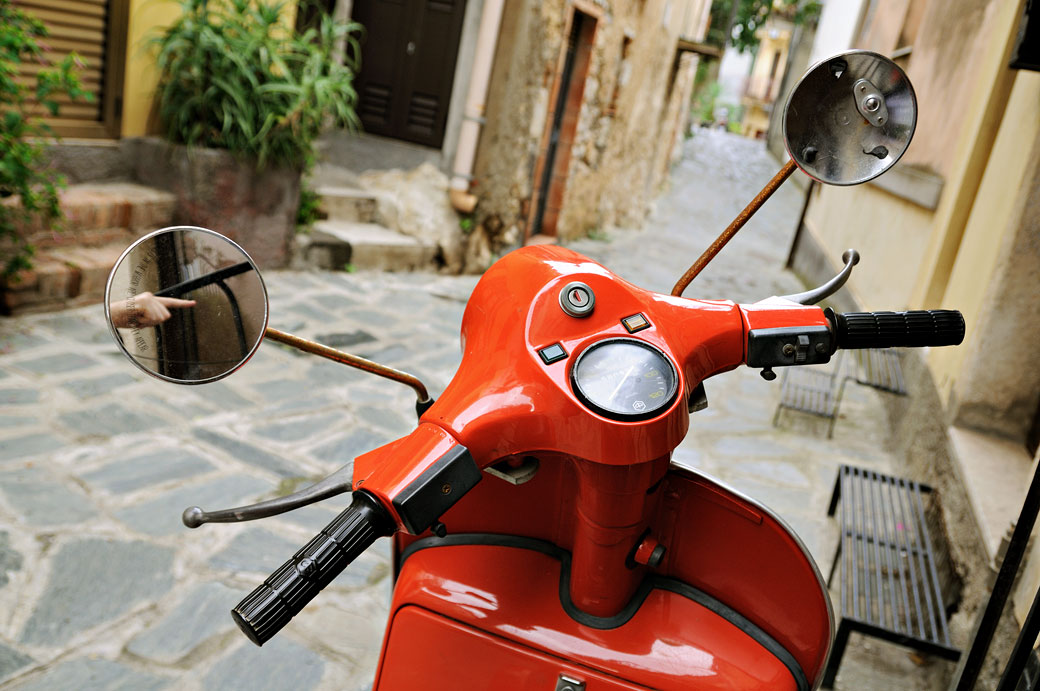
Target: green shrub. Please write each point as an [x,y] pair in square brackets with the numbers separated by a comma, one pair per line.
[234,76]
[29,192]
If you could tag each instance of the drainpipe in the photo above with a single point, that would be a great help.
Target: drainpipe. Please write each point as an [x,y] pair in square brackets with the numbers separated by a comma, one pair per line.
[473,116]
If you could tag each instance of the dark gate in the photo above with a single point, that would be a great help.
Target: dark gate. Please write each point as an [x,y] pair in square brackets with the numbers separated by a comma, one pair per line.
[407,66]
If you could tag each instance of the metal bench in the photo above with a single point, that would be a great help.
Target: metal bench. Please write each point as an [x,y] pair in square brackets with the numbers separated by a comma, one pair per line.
[817,391]
[889,583]
[881,369]
[812,389]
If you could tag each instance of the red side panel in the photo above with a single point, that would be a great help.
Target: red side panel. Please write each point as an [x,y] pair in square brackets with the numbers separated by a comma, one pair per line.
[513,596]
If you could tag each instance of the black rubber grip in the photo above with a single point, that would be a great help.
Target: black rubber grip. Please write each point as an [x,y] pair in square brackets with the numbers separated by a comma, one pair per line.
[271,606]
[914,329]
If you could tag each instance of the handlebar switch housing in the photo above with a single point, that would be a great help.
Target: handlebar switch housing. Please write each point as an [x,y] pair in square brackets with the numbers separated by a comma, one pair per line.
[789,345]
[437,489]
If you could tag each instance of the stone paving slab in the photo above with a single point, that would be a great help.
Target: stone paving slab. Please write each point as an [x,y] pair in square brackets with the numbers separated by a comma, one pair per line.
[102,587]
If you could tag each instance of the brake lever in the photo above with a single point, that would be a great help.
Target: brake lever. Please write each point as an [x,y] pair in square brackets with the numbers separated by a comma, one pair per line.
[339,482]
[811,297]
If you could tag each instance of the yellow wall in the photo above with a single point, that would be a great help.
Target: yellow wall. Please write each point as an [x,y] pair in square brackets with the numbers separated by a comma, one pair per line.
[147,20]
[890,233]
[991,216]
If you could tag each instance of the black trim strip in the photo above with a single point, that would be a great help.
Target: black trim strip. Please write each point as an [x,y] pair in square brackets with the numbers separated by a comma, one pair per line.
[678,587]
[185,287]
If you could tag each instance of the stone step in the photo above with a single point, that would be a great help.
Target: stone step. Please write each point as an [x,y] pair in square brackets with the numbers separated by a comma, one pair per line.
[356,205]
[335,245]
[61,277]
[103,213]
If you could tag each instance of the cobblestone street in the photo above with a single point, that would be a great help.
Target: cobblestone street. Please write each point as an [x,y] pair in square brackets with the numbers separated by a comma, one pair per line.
[101,587]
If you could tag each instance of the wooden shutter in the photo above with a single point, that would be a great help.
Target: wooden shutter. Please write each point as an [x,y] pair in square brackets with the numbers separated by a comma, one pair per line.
[96,31]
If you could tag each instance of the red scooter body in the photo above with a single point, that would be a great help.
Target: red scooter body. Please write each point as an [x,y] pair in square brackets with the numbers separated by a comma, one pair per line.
[559,575]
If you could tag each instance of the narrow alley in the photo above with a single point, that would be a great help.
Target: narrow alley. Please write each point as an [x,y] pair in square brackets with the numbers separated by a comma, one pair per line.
[97,461]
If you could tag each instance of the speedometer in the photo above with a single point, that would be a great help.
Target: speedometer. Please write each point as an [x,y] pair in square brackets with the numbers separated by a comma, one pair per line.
[625,379]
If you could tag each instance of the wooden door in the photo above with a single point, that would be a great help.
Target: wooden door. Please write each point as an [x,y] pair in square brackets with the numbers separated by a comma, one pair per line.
[407,66]
[96,31]
[562,126]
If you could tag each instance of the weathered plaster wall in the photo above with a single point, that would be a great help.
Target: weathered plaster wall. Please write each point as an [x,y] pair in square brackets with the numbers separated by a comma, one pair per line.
[1001,209]
[628,114]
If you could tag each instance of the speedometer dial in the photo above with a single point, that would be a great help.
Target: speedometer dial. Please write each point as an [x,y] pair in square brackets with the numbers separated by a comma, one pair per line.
[625,379]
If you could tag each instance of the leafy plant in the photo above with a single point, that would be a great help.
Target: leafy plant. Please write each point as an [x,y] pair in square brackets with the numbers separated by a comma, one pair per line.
[737,22]
[309,209]
[234,76]
[704,102]
[29,192]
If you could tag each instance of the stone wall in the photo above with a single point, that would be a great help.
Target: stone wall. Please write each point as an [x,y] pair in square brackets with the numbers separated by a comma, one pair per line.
[632,111]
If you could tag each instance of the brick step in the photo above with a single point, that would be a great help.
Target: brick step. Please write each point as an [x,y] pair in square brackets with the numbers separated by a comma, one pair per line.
[61,277]
[334,245]
[104,213]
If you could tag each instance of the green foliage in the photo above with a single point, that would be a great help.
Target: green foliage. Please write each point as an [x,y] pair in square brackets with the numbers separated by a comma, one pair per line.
[704,102]
[743,20]
[33,191]
[234,77]
[309,210]
[466,223]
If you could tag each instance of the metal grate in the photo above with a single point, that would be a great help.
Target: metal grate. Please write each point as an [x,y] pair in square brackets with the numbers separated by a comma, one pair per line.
[881,369]
[812,389]
[889,583]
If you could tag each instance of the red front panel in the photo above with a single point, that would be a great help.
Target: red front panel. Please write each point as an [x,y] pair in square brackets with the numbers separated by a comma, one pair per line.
[426,651]
[512,596]
[715,540]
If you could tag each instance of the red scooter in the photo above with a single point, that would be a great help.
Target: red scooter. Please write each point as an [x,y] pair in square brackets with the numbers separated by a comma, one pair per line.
[541,537]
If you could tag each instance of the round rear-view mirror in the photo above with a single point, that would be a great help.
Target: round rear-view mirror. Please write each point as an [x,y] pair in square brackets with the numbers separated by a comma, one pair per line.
[850,118]
[186,305]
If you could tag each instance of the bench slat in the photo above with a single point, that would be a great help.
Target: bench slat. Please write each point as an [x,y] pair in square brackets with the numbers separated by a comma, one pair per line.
[888,572]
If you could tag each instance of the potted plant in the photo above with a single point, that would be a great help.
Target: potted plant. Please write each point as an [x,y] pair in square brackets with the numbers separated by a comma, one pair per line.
[243,98]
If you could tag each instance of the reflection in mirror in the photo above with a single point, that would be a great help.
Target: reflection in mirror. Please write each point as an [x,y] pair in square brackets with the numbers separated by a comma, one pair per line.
[850,118]
[186,304]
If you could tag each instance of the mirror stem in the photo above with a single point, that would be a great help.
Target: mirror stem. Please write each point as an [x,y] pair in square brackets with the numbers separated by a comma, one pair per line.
[738,223]
[352,360]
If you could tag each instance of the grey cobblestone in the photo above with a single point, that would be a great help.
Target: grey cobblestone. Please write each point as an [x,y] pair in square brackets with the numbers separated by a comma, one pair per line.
[162,515]
[146,470]
[96,675]
[18,396]
[202,614]
[108,420]
[43,500]
[57,364]
[10,560]
[254,550]
[28,445]
[92,582]
[298,428]
[247,453]
[11,661]
[279,665]
[96,386]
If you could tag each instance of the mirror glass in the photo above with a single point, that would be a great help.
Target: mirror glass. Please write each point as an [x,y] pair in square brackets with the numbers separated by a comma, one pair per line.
[186,305]
[850,118]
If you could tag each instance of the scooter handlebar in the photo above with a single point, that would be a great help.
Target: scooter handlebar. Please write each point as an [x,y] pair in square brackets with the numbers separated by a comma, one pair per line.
[273,604]
[913,329]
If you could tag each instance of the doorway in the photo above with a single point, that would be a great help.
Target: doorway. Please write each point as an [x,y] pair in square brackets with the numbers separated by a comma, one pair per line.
[554,162]
[408,66]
